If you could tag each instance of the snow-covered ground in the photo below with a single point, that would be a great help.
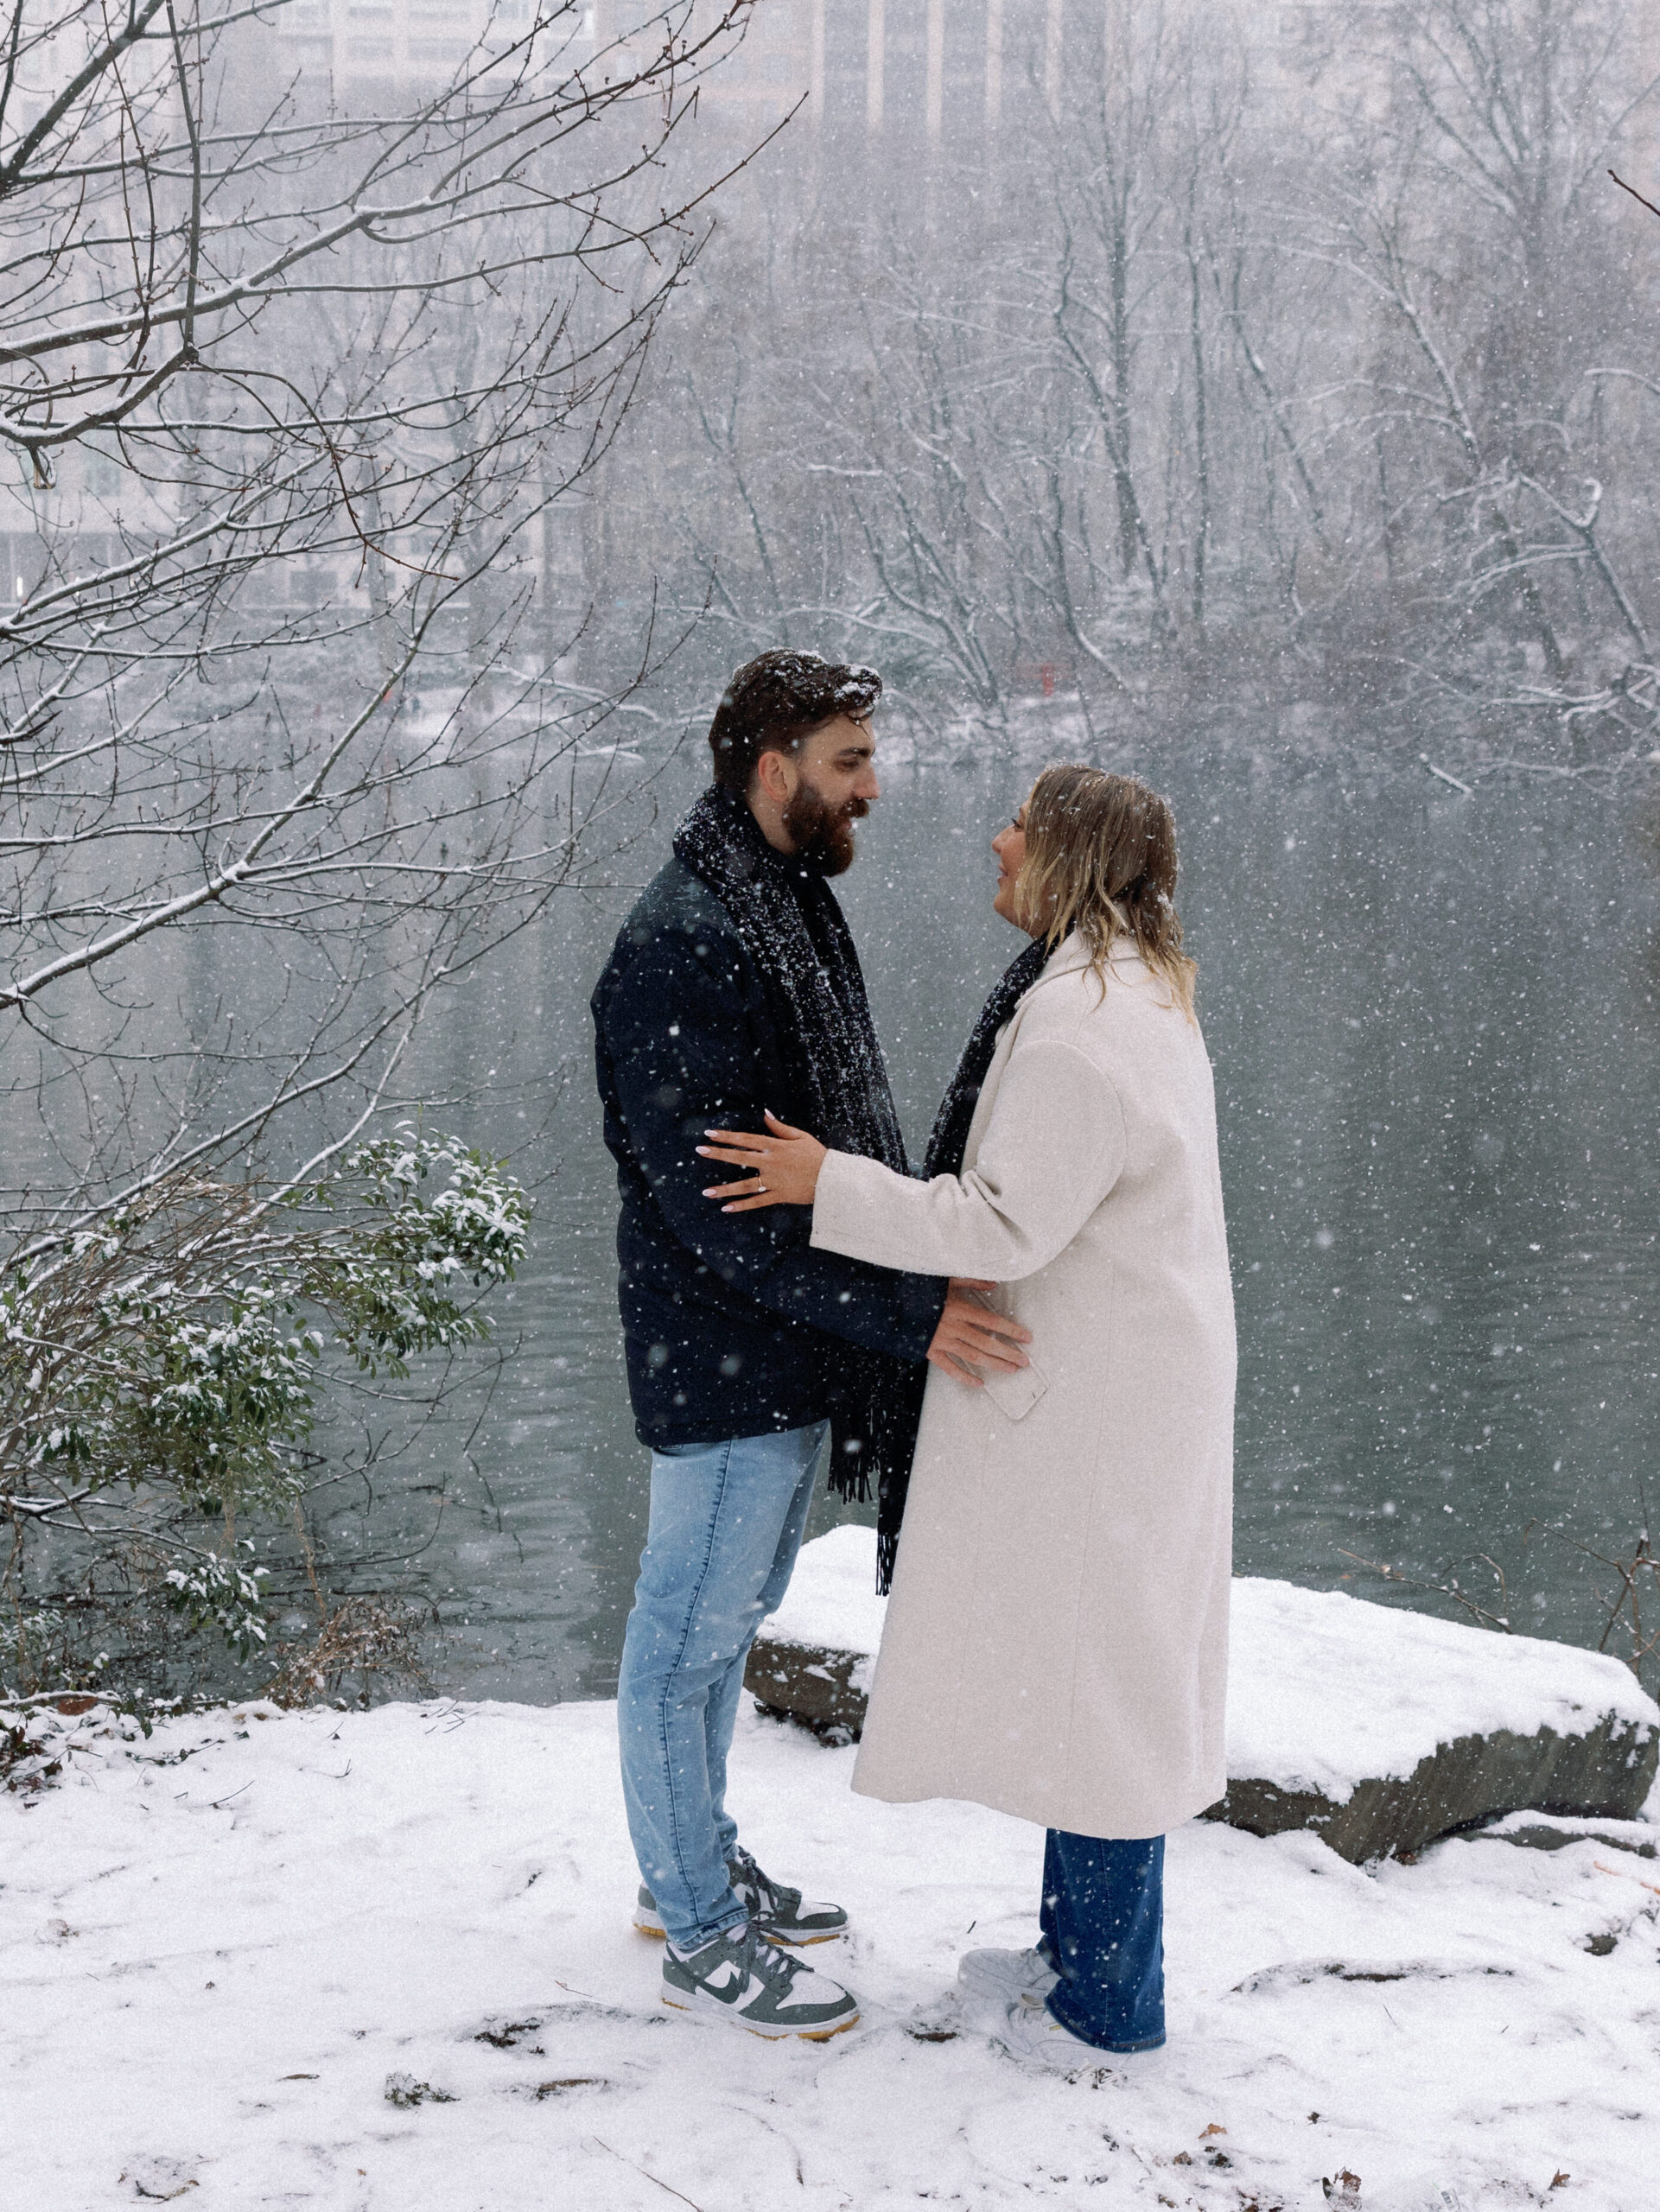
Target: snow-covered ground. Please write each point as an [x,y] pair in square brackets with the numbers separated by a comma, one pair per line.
[224,1947]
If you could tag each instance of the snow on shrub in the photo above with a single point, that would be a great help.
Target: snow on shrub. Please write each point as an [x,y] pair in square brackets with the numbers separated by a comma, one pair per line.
[165,1360]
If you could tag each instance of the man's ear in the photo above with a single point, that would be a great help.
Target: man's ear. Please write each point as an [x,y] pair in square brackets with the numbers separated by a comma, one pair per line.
[776,774]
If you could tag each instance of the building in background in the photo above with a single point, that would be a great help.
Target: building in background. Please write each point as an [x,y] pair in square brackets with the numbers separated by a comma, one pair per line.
[926,72]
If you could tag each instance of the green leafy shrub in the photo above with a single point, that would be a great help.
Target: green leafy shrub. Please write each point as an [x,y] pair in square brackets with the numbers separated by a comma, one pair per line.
[166,1360]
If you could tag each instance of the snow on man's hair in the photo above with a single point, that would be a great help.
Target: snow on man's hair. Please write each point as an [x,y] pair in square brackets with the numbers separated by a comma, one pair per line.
[776,701]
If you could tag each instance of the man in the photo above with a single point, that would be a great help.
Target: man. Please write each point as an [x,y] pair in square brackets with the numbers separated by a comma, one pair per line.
[735,989]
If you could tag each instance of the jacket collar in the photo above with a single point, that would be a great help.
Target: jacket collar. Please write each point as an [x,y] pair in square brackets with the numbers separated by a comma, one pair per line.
[1071,954]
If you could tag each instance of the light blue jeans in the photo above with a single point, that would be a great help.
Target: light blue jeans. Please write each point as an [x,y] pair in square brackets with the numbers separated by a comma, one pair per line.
[726,1524]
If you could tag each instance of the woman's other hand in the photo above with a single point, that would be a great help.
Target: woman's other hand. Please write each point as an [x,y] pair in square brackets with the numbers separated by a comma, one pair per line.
[784,1165]
[971,1336]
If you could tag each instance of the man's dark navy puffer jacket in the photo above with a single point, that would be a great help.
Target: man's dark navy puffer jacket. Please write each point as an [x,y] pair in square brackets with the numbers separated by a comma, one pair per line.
[731,1322]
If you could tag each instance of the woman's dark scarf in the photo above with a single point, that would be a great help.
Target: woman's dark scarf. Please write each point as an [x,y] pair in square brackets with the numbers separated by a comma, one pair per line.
[946,1145]
[950,1131]
[794,931]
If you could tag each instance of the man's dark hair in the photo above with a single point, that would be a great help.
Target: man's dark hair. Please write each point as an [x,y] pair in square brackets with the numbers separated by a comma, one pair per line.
[775,700]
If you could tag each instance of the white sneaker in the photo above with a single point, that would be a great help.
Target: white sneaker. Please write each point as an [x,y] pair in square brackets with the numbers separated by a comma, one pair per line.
[1006,1977]
[1031,2032]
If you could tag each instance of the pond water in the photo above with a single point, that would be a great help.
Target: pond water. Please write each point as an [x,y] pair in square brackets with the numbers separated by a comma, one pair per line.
[1434,1024]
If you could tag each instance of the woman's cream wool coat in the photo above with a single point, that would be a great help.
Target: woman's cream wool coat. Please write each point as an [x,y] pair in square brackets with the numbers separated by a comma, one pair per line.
[1056,1643]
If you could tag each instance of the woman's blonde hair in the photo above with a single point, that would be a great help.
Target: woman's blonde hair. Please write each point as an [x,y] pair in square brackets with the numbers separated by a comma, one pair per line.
[1101,860]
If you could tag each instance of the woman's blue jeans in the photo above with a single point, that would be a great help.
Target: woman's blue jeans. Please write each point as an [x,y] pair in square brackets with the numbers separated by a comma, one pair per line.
[726,1524]
[1103,1922]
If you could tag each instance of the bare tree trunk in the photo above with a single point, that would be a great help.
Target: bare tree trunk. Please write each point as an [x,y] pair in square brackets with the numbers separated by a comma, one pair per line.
[1118,347]
[1201,443]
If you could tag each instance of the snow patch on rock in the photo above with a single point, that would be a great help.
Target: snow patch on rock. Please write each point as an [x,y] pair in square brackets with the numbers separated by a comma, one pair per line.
[1326,1690]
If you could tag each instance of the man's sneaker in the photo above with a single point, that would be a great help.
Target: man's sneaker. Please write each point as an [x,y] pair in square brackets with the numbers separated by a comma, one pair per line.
[1031,2032]
[743,1979]
[1005,1978]
[782,1916]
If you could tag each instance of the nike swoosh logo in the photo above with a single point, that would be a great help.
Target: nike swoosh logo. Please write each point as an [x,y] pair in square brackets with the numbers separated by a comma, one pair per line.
[728,1989]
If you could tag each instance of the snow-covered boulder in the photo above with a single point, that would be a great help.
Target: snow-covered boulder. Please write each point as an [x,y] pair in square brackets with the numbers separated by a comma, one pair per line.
[1380,1729]
[1377,1728]
[813,1657]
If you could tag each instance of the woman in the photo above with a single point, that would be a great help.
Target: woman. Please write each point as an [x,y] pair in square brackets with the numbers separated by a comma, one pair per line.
[1056,1645]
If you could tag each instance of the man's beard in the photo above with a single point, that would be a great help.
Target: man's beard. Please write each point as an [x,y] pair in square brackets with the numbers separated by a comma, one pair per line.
[823,834]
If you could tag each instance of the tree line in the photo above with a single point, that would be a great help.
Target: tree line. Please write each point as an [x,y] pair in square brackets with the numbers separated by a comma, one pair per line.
[1330,362]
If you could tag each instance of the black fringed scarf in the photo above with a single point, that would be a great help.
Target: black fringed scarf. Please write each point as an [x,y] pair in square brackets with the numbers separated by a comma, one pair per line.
[949,1138]
[946,1145]
[794,931]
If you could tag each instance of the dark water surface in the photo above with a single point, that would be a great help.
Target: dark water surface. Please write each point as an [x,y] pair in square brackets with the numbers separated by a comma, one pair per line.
[1434,1024]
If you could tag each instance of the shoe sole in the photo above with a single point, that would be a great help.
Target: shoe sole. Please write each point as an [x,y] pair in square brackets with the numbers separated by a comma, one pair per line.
[990,1989]
[659,1934]
[767,2034]
[1058,2064]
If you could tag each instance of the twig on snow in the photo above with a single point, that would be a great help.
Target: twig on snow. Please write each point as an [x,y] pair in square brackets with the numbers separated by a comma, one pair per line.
[1621,1874]
[642,2172]
[1635,193]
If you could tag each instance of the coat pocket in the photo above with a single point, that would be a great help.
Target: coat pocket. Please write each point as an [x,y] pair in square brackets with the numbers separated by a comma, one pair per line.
[1015,1395]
